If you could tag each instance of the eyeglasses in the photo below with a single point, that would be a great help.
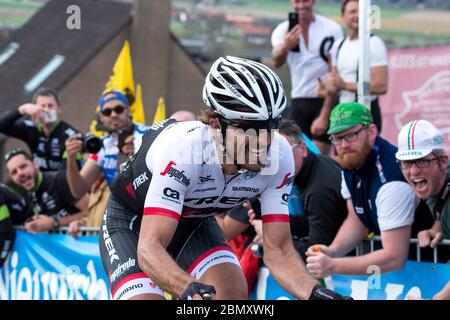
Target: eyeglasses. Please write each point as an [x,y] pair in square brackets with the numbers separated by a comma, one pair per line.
[349,137]
[119,109]
[420,163]
[12,153]
[247,125]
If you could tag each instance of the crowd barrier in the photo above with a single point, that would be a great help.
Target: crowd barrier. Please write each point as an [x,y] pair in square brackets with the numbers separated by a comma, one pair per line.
[57,267]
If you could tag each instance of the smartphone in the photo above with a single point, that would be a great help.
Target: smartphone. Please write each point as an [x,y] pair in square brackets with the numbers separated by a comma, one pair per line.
[123,134]
[50,116]
[293,21]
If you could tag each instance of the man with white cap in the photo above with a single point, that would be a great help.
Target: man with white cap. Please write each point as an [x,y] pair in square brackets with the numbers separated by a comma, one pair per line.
[425,166]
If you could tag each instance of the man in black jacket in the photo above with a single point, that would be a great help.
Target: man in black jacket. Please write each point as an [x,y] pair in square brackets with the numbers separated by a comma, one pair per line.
[45,133]
[48,193]
[14,210]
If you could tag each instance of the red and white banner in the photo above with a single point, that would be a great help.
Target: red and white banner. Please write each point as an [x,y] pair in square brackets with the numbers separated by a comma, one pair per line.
[419,88]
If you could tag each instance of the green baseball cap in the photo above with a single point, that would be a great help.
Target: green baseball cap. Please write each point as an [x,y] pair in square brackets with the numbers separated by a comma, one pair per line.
[347,115]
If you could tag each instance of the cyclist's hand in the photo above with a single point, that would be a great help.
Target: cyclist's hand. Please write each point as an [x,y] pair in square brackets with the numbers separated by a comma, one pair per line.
[74,145]
[429,237]
[198,291]
[320,293]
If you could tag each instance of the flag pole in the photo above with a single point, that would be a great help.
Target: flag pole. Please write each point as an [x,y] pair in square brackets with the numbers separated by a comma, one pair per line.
[364,53]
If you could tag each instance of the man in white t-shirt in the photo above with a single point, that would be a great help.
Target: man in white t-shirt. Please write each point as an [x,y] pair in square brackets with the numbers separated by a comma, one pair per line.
[314,35]
[379,199]
[341,83]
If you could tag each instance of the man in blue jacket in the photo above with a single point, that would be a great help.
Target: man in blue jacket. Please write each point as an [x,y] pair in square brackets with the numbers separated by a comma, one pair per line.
[379,199]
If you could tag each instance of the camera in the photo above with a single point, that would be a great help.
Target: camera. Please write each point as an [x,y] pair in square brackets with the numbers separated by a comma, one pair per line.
[91,143]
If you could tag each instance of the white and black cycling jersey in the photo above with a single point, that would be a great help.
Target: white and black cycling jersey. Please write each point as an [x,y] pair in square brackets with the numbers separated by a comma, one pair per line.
[177,173]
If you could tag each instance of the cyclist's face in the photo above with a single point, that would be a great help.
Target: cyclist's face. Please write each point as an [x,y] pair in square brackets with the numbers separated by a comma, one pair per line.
[22,171]
[352,155]
[248,148]
[428,181]
[114,121]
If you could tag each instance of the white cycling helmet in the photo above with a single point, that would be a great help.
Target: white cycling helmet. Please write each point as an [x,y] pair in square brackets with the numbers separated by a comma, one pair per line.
[244,90]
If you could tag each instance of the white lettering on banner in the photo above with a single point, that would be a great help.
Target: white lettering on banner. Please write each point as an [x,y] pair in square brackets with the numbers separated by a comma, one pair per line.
[21,284]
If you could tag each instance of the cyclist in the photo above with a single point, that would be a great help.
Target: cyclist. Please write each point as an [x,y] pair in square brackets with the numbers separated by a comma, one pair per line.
[159,231]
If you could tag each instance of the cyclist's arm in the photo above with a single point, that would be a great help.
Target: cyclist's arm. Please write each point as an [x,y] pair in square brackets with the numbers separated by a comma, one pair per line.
[155,235]
[230,226]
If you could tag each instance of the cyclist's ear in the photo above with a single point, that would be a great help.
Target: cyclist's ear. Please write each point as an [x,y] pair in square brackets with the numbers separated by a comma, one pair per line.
[214,123]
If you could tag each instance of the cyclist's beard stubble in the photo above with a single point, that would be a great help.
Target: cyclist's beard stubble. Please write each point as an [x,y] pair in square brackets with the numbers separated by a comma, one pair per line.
[351,159]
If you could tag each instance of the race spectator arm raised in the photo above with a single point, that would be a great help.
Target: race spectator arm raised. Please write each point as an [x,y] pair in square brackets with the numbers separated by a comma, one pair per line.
[79,181]
[283,41]
[9,124]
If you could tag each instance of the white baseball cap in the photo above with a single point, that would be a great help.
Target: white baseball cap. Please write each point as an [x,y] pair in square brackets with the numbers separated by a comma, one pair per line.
[417,139]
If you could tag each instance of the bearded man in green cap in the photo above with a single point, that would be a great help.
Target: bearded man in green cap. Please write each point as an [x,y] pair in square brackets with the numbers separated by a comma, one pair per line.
[379,200]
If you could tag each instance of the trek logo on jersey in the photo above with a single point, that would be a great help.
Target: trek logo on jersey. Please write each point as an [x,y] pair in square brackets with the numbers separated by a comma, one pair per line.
[140,180]
[286,181]
[211,200]
[176,174]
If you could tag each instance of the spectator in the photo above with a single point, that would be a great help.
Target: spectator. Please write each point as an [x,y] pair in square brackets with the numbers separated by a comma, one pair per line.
[313,34]
[342,81]
[45,134]
[14,210]
[378,198]
[426,167]
[420,144]
[48,193]
[125,138]
[183,115]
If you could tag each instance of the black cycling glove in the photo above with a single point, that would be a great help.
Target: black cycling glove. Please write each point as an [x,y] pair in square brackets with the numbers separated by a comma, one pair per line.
[320,293]
[201,289]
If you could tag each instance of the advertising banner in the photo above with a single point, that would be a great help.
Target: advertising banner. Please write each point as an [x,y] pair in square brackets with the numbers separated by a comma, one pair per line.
[419,279]
[53,267]
[419,88]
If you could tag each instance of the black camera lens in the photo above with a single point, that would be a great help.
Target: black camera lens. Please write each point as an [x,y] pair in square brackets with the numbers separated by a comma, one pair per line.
[92,144]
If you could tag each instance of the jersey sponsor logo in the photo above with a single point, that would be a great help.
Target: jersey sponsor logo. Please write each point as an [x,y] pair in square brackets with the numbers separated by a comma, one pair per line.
[286,181]
[205,189]
[133,287]
[211,200]
[247,189]
[159,125]
[140,180]
[205,179]
[176,174]
[359,210]
[121,268]
[249,175]
[285,197]
[174,194]
[108,242]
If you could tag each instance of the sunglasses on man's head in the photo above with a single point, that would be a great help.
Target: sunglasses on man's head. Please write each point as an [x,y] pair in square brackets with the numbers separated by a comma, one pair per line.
[117,109]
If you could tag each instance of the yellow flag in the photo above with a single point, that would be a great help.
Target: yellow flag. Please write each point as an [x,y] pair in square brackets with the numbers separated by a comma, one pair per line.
[137,109]
[160,114]
[122,78]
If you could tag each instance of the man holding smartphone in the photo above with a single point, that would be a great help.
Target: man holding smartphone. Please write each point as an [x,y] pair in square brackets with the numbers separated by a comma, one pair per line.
[45,133]
[305,47]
